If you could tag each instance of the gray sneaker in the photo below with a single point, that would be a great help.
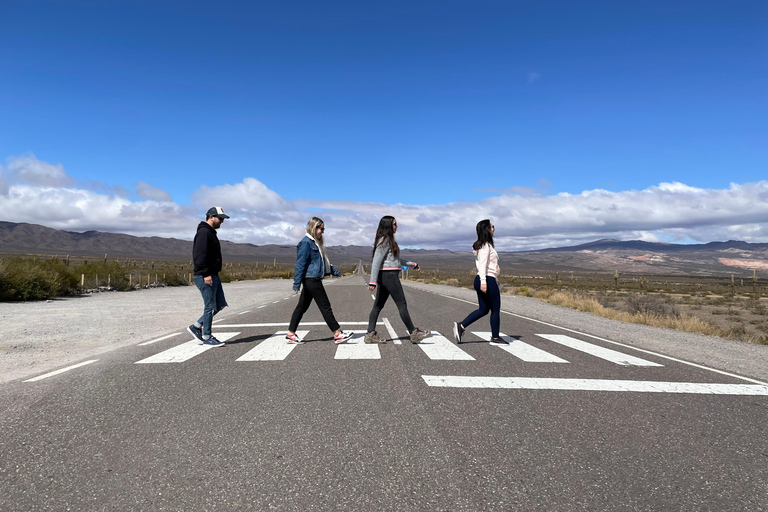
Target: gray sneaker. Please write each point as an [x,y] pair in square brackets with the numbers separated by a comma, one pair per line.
[419,334]
[373,337]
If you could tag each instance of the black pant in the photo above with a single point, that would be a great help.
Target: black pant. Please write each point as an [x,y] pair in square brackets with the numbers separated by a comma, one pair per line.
[312,288]
[488,301]
[389,284]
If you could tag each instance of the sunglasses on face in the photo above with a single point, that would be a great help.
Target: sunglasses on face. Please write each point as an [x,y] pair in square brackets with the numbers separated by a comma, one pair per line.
[322,228]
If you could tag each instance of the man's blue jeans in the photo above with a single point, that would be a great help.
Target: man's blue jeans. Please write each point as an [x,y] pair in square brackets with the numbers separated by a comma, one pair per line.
[213,297]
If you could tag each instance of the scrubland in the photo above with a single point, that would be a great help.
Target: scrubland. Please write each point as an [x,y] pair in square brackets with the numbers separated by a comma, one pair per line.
[727,307]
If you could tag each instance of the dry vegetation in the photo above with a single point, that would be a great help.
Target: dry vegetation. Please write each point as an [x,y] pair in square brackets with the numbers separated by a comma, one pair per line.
[41,277]
[729,307]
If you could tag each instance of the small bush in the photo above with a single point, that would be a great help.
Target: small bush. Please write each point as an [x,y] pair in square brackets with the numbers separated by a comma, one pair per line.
[35,279]
[647,305]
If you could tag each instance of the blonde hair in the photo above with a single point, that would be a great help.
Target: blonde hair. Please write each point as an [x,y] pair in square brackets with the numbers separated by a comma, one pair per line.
[312,225]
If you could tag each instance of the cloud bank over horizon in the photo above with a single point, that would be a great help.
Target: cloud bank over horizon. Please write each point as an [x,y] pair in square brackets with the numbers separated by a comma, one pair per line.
[38,192]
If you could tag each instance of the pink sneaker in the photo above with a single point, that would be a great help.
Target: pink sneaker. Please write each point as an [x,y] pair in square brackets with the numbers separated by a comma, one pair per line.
[342,337]
[293,339]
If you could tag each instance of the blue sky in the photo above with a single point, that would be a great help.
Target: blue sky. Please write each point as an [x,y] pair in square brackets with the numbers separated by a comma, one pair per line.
[519,111]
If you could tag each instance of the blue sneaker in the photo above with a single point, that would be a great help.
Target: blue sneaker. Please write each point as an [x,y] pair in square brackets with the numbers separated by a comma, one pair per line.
[195,331]
[213,342]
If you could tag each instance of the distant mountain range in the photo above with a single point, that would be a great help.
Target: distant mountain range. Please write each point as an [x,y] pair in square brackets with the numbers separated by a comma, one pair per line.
[635,256]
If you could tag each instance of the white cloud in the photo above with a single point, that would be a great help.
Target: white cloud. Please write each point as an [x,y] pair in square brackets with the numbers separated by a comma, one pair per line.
[668,211]
[28,169]
[147,191]
[250,195]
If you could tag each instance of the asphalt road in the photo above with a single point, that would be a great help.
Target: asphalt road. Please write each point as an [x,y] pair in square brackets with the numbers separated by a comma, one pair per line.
[558,425]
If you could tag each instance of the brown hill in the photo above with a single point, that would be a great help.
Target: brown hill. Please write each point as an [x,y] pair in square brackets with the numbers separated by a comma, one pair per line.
[603,256]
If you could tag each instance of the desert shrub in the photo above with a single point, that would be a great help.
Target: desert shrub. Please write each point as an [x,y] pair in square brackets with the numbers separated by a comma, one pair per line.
[757,307]
[117,273]
[648,305]
[35,279]
[176,279]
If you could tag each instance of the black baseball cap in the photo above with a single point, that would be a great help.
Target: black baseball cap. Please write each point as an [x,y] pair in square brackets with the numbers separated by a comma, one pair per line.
[216,211]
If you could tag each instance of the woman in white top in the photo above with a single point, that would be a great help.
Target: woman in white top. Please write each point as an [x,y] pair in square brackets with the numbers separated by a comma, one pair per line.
[488,295]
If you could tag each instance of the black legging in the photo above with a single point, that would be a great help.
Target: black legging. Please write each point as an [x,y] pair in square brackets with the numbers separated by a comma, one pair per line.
[312,288]
[389,284]
[488,301]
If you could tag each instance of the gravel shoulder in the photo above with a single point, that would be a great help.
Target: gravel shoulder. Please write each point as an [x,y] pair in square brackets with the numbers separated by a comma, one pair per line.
[41,336]
[745,359]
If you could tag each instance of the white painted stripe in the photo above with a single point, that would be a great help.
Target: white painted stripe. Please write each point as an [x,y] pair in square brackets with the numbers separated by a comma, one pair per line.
[51,374]
[274,348]
[259,307]
[356,348]
[276,302]
[217,321]
[244,312]
[159,339]
[657,354]
[185,351]
[373,296]
[453,381]
[521,350]
[601,352]
[438,347]
[285,324]
[392,333]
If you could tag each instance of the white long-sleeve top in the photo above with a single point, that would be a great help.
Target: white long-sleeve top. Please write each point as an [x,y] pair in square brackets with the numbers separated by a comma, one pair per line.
[487,262]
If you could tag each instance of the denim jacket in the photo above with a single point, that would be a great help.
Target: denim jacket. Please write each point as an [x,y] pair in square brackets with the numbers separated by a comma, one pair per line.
[309,263]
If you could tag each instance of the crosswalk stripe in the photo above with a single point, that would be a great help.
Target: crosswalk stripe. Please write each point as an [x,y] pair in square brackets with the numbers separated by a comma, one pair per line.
[286,324]
[356,348]
[455,381]
[597,351]
[392,333]
[438,347]
[274,348]
[159,339]
[521,350]
[185,351]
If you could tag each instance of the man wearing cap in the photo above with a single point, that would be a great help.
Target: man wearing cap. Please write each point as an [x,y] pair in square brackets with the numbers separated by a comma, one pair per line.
[206,254]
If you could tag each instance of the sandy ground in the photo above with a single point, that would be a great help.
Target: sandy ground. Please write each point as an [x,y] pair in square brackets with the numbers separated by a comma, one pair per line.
[41,336]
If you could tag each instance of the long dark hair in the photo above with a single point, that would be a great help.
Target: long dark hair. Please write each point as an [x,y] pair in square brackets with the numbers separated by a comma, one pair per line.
[386,232]
[484,235]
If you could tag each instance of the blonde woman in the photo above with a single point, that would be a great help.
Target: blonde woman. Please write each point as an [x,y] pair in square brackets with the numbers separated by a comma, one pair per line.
[312,265]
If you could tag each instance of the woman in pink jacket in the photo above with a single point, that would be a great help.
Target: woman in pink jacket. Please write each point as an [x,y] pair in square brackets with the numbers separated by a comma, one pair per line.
[488,295]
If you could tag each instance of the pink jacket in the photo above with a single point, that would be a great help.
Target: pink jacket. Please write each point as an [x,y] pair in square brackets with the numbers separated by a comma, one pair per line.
[487,262]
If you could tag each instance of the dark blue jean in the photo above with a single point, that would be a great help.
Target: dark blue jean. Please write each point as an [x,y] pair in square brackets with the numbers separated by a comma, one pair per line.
[488,301]
[213,298]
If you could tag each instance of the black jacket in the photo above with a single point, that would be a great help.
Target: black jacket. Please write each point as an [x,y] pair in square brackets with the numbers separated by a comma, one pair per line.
[206,251]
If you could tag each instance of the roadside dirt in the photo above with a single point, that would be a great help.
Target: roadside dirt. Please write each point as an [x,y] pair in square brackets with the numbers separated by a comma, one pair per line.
[38,336]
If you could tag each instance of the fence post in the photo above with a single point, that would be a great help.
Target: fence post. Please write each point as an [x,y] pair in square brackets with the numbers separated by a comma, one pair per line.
[82,281]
